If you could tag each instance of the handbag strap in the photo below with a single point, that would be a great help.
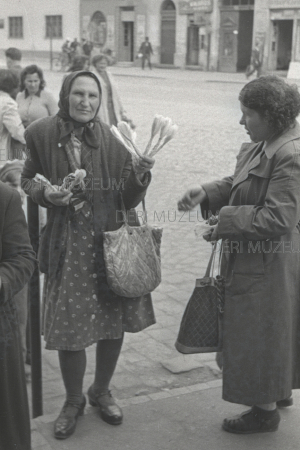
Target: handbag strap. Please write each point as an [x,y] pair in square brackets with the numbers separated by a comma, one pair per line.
[211,263]
[125,213]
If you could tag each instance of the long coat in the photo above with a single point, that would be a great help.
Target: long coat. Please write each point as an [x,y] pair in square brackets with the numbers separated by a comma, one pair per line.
[17,262]
[113,174]
[259,213]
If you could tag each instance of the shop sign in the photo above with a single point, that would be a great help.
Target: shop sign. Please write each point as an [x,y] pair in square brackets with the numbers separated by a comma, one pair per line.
[193,6]
[284,4]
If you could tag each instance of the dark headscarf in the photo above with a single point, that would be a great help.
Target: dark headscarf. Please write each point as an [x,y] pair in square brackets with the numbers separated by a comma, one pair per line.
[70,124]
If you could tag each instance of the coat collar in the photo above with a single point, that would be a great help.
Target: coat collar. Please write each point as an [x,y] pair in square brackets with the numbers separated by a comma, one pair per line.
[270,150]
[242,171]
[289,135]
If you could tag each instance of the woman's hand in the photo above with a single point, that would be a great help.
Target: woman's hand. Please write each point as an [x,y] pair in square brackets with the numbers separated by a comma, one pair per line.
[142,165]
[192,198]
[212,234]
[57,197]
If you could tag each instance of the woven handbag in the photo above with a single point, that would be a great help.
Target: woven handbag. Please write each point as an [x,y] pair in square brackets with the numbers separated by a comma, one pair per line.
[201,326]
[132,258]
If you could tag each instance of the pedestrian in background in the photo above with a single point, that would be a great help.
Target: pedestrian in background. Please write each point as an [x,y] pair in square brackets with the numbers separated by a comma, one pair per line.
[87,47]
[17,263]
[255,63]
[74,49]
[34,101]
[66,50]
[13,60]
[11,126]
[259,223]
[111,109]
[146,51]
[79,307]
[80,62]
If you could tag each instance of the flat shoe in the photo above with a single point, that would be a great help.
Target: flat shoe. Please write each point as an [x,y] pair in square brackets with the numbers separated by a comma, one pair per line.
[285,402]
[109,410]
[255,420]
[65,424]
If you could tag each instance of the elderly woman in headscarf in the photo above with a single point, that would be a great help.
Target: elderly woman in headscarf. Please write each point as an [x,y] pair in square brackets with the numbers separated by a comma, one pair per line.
[79,307]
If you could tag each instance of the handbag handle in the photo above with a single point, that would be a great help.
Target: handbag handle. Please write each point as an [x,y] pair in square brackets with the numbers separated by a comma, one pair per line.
[125,214]
[211,262]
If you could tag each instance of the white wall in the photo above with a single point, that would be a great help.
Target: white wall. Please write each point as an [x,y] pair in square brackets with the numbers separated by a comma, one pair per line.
[34,22]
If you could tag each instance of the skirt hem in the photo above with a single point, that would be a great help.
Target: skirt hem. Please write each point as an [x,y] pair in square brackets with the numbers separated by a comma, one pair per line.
[126,329]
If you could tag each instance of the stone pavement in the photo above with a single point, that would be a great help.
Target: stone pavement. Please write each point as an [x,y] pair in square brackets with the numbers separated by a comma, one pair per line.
[184,419]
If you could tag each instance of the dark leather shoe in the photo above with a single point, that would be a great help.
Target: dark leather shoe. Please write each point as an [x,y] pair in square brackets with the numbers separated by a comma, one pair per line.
[256,420]
[285,402]
[65,424]
[110,411]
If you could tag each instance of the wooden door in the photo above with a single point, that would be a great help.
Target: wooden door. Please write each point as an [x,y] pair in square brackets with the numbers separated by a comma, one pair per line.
[126,41]
[168,30]
[229,41]
[193,46]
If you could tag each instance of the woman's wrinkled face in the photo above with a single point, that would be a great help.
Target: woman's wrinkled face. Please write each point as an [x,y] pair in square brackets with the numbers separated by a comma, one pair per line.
[84,99]
[255,124]
[101,65]
[32,83]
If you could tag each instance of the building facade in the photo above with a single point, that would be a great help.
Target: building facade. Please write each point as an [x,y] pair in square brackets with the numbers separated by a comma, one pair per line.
[206,34]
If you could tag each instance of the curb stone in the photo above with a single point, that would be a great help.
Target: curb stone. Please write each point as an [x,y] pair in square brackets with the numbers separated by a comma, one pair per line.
[39,442]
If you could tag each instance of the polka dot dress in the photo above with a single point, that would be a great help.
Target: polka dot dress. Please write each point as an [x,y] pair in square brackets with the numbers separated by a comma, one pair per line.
[79,309]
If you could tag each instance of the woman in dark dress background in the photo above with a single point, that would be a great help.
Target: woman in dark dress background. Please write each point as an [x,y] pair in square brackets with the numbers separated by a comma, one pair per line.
[17,262]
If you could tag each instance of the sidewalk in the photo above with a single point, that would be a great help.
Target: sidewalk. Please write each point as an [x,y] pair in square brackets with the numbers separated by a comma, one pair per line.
[182,419]
[160,72]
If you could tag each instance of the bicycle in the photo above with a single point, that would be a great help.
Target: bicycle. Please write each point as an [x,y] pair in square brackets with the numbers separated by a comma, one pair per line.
[60,63]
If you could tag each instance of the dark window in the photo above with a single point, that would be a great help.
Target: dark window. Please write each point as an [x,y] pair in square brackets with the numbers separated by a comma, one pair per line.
[168,5]
[54,27]
[126,34]
[15,27]
[202,41]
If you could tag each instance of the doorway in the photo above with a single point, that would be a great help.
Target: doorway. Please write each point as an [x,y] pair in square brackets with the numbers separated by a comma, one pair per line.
[168,30]
[284,44]
[235,40]
[192,58]
[126,41]
[244,47]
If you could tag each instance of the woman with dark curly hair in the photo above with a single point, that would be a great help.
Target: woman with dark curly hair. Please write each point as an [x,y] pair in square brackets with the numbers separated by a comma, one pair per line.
[258,221]
[34,102]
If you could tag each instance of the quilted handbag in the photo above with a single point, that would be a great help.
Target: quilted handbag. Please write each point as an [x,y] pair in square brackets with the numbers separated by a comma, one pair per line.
[201,326]
[132,258]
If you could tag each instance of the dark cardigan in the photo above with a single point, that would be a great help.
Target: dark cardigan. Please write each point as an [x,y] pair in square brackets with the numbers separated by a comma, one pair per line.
[17,262]
[17,259]
[113,174]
